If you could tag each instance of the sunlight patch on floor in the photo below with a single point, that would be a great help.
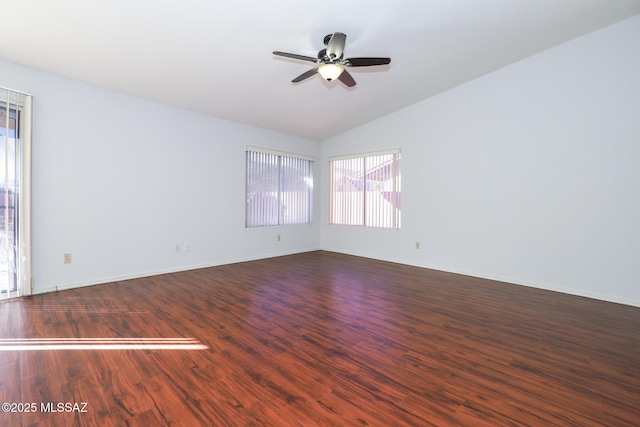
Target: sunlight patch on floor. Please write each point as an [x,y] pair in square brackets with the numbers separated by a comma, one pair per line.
[32,344]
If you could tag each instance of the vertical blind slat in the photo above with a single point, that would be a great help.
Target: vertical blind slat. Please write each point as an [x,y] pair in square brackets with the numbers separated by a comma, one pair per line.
[6,104]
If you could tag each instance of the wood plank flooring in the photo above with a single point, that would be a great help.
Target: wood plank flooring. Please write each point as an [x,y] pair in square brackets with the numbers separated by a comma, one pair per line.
[323,339]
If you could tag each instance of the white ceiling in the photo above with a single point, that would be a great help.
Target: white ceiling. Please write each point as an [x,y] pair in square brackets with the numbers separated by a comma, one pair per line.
[215,56]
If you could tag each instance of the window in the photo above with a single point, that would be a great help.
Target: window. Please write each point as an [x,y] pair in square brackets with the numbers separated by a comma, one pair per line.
[279,188]
[15,193]
[365,190]
[9,120]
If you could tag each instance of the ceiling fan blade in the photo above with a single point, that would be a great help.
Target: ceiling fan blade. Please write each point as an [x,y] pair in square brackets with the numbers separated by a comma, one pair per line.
[296,56]
[365,62]
[335,47]
[305,75]
[346,78]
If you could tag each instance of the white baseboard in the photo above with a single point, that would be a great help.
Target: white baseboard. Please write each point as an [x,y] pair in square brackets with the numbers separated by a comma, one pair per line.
[152,273]
[543,286]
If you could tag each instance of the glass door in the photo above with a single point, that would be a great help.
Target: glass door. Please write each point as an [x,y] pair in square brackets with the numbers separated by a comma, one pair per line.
[13,130]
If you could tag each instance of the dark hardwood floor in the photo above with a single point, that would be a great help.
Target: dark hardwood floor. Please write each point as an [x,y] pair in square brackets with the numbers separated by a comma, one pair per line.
[321,339]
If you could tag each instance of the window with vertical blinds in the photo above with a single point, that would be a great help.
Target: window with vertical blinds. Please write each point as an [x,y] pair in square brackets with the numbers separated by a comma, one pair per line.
[365,190]
[15,193]
[279,188]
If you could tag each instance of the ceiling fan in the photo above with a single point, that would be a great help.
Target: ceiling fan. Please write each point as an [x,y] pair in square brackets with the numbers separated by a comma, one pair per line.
[331,61]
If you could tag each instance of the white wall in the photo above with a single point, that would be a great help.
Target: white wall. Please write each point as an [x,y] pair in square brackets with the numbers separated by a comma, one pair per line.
[530,174]
[117,181]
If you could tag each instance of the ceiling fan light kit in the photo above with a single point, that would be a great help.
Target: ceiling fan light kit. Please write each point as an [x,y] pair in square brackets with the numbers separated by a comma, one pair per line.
[330,71]
[331,62]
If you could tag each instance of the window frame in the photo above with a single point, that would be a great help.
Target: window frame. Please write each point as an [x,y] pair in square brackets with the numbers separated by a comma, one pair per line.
[355,209]
[300,198]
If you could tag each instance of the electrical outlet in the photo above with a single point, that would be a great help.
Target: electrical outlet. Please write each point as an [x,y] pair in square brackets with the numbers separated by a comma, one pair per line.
[417,245]
[67,258]
[176,247]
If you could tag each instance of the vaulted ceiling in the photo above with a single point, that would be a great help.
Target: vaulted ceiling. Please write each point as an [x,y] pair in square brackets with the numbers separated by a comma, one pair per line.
[215,57]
